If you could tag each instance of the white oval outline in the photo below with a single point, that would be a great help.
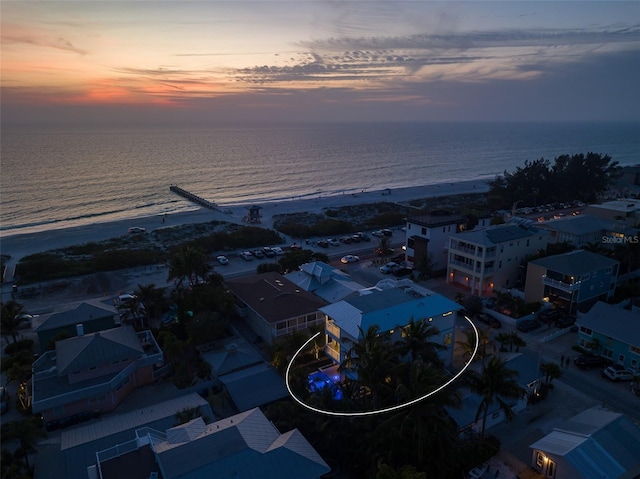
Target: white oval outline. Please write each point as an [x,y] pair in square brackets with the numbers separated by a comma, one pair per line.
[384,410]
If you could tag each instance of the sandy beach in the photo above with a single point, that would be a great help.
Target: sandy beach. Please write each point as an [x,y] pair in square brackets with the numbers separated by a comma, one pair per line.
[20,245]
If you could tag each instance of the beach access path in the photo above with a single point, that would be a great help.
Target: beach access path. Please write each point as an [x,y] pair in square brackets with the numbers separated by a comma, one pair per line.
[21,245]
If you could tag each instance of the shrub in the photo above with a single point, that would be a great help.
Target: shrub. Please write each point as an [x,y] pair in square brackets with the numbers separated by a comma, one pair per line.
[23,344]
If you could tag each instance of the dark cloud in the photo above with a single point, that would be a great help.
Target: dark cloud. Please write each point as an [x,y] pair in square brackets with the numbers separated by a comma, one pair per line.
[59,43]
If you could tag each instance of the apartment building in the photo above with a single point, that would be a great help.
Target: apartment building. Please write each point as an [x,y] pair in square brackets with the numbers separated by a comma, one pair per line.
[488,258]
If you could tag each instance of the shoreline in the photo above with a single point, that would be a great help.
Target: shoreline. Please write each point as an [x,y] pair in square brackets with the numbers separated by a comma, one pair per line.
[23,244]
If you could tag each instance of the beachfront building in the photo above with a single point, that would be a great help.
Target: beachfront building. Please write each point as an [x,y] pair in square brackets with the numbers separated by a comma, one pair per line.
[428,236]
[93,372]
[578,230]
[86,317]
[595,443]
[612,332]
[573,281]
[273,306]
[389,309]
[485,259]
[328,283]
[241,446]
[623,209]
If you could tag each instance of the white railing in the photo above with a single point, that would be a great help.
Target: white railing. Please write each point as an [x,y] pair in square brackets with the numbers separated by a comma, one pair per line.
[332,353]
[560,284]
[333,330]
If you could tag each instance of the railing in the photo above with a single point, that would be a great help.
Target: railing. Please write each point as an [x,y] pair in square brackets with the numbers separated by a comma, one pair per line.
[466,250]
[560,284]
[332,353]
[461,264]
[332,329]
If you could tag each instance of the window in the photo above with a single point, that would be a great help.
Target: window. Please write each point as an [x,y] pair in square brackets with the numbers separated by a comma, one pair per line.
[634,349]
[607,353]
[527,242]
[551,468]
[586,331]
[423,231]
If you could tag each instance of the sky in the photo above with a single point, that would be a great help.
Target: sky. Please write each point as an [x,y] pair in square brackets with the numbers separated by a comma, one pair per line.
[292,61]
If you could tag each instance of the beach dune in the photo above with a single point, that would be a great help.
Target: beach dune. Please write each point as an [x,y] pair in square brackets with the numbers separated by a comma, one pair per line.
[18,246]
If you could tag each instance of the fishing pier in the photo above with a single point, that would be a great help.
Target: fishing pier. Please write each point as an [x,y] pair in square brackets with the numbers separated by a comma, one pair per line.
[193,198]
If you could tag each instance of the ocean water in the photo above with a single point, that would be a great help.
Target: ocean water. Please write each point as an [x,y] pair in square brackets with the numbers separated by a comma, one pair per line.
[61,176]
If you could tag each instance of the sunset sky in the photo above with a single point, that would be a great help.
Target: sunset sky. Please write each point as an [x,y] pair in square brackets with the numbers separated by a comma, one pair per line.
[223,61]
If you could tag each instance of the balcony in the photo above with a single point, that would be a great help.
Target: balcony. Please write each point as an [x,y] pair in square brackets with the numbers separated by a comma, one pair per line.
[332,329]
[333,351]
[568,287]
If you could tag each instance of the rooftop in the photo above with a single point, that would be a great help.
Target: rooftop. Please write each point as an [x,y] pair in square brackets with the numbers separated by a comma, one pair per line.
[500,234]
[575,263]
[614,322]
[80,313]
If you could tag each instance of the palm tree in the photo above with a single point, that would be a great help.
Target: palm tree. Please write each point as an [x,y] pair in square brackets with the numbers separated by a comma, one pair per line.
[151,297]
[503,339]
[517,341]
[188,263]
[10,319]
[469,345]
[551,370]
[372,358]
[495,383]
[415,342]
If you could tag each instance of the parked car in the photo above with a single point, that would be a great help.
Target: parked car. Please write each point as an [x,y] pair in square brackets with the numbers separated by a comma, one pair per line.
[222,260]
[268,252]
[588,361]
[24,320]
[378,234]
[549,315]
[323,243]
[277,250]
[364,237]
[137,229]
[346,239]
[388,268]
[258,253]
[617,372]
[246,255]
[565,321]
[350,258]
[295,246]
[401,270]
[333,242]
[386,232]
[4,400]
[356,238]
[489,320]
[528,325]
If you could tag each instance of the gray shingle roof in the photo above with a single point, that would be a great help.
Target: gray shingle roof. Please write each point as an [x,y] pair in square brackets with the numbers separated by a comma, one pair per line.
[274,297]
[575,263]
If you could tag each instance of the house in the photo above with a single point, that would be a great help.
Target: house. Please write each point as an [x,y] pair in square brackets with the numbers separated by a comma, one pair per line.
[489,258]
[621,209]
[429,235]
[390,310]
[577,230]
[325,281]
[611,332]
[274,306]
[241,446]
[93,372]
[93,316]
[575,280]
[69,454]
[530,378]
[595,443]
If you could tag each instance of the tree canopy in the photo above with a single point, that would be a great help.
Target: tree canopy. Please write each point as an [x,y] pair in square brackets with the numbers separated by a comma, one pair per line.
[540,181]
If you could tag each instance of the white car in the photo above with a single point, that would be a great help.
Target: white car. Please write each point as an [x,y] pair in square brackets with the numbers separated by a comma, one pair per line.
[350,258]
[246,255]
[333,242]
[222,259]
[277,250]
[617,372]
[388,268]
[137,229]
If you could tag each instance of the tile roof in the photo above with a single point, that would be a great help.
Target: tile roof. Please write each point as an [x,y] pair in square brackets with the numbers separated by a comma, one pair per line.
[575,263]
[90,350]
[274,297]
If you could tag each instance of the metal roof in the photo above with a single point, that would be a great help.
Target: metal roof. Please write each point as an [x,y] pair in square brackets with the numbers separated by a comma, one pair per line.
[254,386]
[575,263]
[103,347]
[614,322]
[81,313]
[499,234]
[575,225]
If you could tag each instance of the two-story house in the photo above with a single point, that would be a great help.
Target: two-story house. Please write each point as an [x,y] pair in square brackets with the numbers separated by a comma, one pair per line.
[573,280]
[488,258]
[325,281]
[93,372]
[273,306]
[612,332]
[576,230]
[621,209]
[390,310]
